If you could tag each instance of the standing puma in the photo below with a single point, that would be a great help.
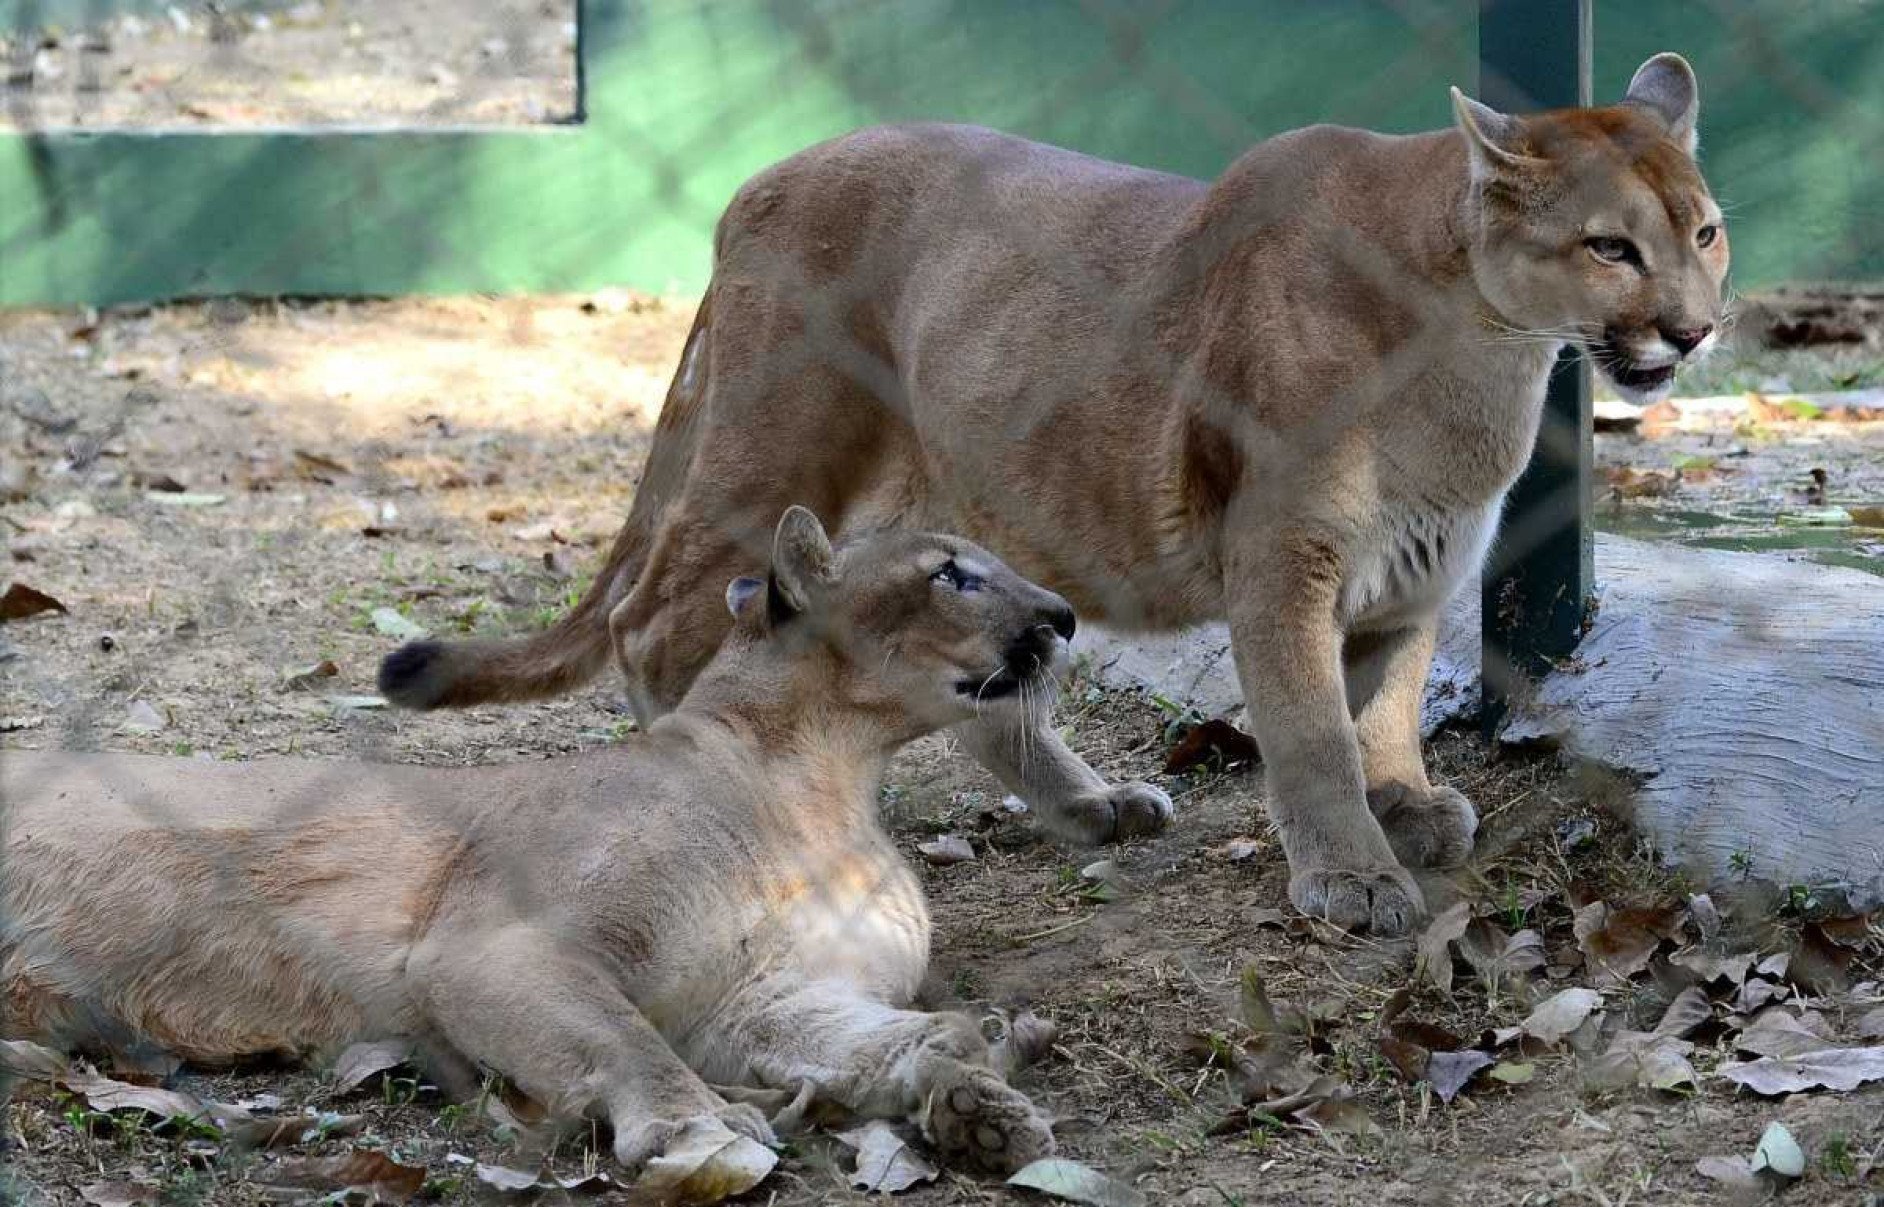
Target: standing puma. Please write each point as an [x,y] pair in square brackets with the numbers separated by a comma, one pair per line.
[1293,398]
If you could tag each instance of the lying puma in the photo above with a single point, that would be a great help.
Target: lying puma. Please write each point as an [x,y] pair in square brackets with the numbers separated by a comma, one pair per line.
[711,902]
[1293,399]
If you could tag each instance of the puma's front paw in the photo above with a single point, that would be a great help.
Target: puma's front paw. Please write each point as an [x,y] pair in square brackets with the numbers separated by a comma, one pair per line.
[1430,829]
[1122,811]
[636,1145]
[1383,901]
[974,1117]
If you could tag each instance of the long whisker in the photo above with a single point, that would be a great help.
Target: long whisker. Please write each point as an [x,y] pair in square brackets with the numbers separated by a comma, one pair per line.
[984,684]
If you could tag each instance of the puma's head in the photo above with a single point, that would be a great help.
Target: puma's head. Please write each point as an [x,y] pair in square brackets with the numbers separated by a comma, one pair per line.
[1594,226]
[920,628]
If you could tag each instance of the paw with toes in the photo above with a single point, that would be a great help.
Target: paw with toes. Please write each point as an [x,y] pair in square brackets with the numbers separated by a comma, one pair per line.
[1429,828]
[1124,811]
[1382,901]
[974,1117]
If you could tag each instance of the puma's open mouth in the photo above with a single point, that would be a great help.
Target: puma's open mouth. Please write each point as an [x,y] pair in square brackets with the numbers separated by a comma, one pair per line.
[1627,375]
[1644,380]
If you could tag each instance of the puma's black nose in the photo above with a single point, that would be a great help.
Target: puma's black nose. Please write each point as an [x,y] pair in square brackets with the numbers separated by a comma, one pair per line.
[1063,622]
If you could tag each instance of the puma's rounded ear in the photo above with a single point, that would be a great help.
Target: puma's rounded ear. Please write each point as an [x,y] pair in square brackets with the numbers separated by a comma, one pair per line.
[742,591]
[1665,86]
[801,558]
[1489,136]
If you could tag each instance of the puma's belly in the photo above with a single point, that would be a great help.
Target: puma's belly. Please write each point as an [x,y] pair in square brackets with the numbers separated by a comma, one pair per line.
[1413,561]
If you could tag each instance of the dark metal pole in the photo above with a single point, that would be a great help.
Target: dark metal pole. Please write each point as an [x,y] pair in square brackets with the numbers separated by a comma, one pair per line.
[1540,582]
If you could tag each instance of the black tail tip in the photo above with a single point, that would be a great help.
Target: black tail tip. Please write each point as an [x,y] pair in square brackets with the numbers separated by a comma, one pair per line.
[409,675]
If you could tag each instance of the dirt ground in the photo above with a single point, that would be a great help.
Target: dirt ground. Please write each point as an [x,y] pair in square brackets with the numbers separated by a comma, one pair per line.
[416,62]
[226,495]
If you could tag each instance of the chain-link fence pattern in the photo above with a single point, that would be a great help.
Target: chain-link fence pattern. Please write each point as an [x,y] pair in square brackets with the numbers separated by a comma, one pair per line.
[1187,88]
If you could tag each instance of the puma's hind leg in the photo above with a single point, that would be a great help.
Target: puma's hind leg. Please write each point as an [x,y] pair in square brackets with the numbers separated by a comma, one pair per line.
[517,1000]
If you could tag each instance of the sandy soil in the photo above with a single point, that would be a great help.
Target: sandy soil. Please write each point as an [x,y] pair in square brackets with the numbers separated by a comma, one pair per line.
[416,62]
[222,495]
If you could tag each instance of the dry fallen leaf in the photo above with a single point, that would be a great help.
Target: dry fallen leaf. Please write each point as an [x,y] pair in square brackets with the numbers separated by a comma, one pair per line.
[1424,1052]
[1435,944]
[1705,916]
[360,1172]
[946,850]
[158,481]
[885,1161]
[103,1093]
[1629,483]
[1213,744]
[361,1061]
[1820,964]
[1497,956]
[393,623]
[516,1181]
[1775,1032]
[1642,1058]
[1657,419]
[1617,943]
[1754,994]
[291,1130]
[1852,930]
[1733,1173]
[305,676]
[503,1177]
[24,1058]
[319,468]
[1710,964]
[1560,1014]
[1076,1183]
[1689,1010]
[1779,1152]
[1450,1072]
[141,717]
[706,1163]
[1408,1058]
[1828,1069]
[21,601]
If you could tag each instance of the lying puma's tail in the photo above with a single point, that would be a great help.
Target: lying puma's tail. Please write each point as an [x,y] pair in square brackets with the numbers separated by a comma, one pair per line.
[454,674]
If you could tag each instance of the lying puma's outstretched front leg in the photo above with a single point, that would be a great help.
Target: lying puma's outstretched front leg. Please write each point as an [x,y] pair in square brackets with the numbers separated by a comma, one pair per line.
[881,1062]
[1028,756]
[520,1001]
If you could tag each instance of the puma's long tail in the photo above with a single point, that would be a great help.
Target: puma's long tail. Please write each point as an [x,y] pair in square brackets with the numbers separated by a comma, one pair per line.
[454,674]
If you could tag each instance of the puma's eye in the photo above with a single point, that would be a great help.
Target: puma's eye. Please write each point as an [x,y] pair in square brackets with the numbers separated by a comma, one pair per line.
[1706,236]
[954,576]
[1612,250]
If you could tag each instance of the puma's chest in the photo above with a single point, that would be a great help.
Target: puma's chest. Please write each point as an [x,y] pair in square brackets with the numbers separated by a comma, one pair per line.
[1410,561]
